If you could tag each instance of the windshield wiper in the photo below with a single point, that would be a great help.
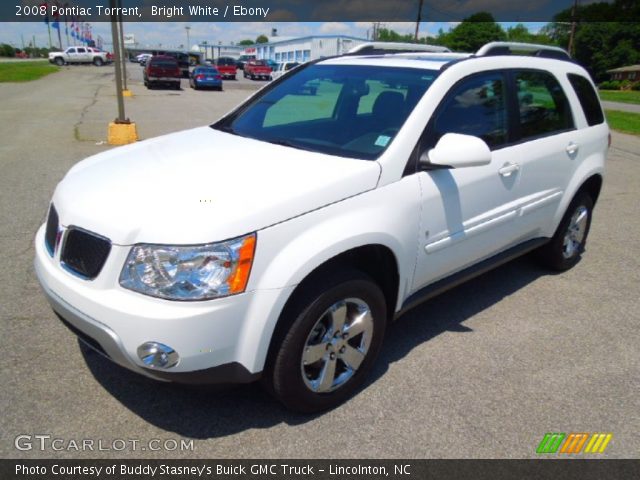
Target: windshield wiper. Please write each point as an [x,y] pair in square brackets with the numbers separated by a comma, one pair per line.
[226,128]
[285,143]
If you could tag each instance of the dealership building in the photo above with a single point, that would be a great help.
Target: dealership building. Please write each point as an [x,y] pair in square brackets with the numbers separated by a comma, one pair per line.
[287,49]
[303,49]
[280,49]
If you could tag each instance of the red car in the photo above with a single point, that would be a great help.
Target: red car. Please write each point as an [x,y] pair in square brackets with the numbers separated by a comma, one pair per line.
[257,69]
[227,67]
[162,70]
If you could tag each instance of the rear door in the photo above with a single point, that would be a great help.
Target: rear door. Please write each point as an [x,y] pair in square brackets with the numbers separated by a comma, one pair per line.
[83,55]
[549,148]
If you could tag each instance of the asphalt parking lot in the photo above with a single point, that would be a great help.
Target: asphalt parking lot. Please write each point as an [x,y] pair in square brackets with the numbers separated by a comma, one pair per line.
[483,371]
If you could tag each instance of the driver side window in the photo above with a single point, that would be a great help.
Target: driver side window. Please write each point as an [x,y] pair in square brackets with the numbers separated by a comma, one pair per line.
[476,106]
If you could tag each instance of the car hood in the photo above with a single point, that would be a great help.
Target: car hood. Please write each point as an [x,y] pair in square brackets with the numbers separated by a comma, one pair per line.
[202,185]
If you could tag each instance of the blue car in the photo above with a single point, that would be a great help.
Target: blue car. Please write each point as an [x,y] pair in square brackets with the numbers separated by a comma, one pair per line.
[205,77]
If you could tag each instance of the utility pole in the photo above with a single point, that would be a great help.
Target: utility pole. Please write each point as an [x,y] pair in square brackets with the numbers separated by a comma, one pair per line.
[121,131]
[573,27]
[187,28]
[116,53]
[122,50]
[418,20]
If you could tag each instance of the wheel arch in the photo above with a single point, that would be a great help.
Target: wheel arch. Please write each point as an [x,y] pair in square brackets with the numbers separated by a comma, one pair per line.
[377,261]
[592,186]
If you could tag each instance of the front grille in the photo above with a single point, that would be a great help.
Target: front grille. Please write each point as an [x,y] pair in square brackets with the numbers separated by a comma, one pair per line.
[84,253]
[52,231]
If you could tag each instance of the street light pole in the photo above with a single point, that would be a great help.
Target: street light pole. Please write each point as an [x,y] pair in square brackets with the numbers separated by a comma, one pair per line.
[122,48]
[418,20]
[121,131]
[187,28]
[116,52]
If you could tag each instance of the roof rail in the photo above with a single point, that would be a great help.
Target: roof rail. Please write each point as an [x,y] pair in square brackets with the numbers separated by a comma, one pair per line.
[515,48]
[377,48]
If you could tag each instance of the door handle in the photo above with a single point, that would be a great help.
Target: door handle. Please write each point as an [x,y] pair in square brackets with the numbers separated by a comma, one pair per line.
[572,148]
[508,169]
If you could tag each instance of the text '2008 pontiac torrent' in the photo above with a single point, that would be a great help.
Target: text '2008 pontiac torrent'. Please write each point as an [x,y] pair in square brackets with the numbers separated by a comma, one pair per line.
[279,242]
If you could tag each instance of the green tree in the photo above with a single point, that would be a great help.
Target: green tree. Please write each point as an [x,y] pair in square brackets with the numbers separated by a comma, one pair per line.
[246,41]
[388,35]
[7,50]
[607,35]
[474,32]
[262,39]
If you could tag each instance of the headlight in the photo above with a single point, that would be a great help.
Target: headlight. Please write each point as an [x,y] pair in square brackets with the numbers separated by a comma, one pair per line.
[198,272]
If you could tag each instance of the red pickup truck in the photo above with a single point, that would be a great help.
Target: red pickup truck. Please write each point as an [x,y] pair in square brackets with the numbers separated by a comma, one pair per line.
[257,69]
[227,67]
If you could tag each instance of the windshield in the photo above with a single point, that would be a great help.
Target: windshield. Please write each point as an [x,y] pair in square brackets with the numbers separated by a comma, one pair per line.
[346,110]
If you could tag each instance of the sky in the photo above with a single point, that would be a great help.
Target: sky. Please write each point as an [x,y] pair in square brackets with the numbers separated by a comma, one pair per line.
[174,34]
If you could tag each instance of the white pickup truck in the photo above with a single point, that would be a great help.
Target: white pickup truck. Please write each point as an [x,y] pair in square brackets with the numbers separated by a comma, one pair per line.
[79,55]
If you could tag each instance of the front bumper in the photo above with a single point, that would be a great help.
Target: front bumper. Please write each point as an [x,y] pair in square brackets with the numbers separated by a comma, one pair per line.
[115,321]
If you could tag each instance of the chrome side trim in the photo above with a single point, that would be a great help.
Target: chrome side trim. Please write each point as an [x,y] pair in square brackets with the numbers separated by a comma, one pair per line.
[469,232]
[540,203]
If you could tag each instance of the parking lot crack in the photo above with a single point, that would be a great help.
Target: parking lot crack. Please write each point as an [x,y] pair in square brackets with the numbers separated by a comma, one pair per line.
[76,128]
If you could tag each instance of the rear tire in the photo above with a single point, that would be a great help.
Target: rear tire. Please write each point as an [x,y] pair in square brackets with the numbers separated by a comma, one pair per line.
[330,338]
[98,62]
[568,243]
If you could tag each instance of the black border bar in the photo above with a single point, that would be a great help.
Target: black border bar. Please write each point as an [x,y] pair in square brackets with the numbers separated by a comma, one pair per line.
[121,469]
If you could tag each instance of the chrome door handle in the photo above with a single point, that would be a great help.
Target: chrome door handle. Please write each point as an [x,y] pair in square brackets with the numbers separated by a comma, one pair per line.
[572,148]
[508,169]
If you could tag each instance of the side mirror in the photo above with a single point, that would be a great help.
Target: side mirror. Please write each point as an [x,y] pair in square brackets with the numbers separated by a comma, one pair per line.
[455,150]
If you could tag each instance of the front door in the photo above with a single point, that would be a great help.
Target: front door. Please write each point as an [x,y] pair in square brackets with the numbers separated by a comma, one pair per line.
[469,213]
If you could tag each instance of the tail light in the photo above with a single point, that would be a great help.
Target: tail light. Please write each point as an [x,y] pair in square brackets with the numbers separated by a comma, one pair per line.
[218,77]
[199,77]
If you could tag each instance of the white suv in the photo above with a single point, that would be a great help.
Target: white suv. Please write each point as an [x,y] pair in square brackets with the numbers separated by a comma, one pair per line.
[280,241]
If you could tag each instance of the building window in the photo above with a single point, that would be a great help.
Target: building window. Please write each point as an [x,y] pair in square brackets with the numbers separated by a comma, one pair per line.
[306,55]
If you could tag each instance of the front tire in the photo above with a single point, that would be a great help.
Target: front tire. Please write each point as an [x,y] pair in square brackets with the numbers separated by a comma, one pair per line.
[336,330]
[59,61]
[567,244]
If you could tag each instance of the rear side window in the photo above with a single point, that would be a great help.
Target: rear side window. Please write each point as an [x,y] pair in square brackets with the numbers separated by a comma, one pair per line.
[166,63]
[544,108]
[475,107]
[588,99]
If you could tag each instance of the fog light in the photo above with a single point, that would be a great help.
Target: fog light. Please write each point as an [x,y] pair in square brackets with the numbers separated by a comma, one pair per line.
[157,355]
